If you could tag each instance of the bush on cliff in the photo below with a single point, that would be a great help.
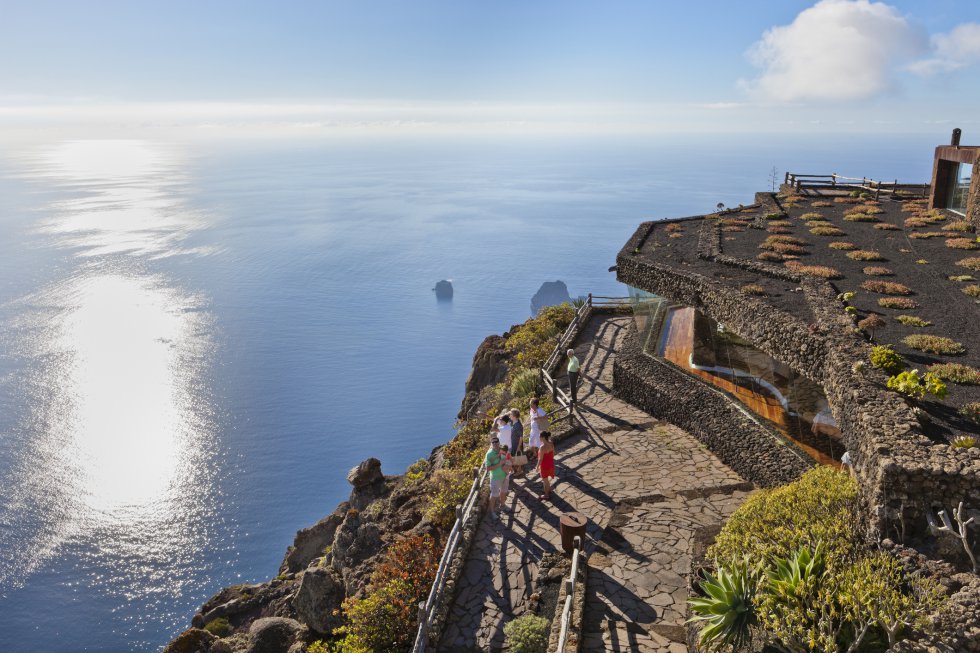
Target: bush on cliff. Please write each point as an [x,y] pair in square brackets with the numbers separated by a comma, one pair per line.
[534,340]
[527,634]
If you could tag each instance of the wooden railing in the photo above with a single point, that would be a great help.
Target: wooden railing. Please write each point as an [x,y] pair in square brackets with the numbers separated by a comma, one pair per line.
[566,613]
[429,609]
[798,181]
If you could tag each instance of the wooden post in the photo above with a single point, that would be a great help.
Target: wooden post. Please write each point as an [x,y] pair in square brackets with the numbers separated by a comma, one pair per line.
[786,178]
[833,179]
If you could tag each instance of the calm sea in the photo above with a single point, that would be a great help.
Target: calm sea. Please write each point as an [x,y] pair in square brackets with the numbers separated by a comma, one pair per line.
[198,341]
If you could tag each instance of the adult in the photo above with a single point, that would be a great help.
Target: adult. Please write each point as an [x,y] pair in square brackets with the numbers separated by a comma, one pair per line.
[502,428]
[546,464]
[508,471]
[494,462]
[539,422]
[573,366]
[516,438]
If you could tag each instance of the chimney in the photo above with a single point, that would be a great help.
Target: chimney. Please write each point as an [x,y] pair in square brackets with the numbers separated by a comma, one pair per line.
[955,141]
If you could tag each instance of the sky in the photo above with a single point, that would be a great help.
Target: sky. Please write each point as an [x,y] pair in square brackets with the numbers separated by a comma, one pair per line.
[456,66]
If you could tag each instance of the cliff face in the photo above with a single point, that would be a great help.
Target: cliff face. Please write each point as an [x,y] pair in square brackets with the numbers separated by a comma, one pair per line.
[334,558]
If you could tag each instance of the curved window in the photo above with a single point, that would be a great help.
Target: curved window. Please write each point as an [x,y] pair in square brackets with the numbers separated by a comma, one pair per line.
[702,347]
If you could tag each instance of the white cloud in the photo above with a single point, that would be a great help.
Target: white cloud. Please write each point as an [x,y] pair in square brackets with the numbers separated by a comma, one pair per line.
[835,50]
[955,49]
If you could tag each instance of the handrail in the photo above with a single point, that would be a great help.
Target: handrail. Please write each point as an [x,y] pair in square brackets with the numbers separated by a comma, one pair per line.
[798,180]
[428,608]
[566,613]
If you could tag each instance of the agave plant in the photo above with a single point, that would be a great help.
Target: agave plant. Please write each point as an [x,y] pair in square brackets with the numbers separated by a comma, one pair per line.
[727,612]
[795,575]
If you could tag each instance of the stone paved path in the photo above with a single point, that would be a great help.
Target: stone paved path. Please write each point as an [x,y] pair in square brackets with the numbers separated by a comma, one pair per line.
[645,486]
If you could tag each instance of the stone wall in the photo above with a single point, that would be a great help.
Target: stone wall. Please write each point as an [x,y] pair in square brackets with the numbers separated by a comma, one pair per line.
[903,474]
[707,413]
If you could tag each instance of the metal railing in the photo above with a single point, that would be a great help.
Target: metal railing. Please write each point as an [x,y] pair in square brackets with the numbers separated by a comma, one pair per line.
[834,180]
[566,613]
[428,609]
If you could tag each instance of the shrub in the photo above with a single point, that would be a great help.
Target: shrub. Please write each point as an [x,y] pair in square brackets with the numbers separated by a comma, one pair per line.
[913,321]
[846,200]
[534,340]
[826,231]
[820,271]
[877,271]
[807,217]
[525,383]
[769,256]
[730,229]
[730,222]
[842,246]
[910,384]
[773,216]
[783,248]
[971,411]
[964,441]
[820,204]
[780,223]
[865,255]
[727,612]
[934,344]
[920,235]
[922,261]
[887,359]
[218,627]
[972,263]
[871,324]
[972,290]
[816,508]
[960,243]
[788,240]
[779,230]
[676,228]
[956,373]
[886,287]
[915,223]
[887,226]
[753,289]
[527,634]
[959,225]
[859,217]
[871,209]
[898,303]
[417,470]
[960,277]
[449,488]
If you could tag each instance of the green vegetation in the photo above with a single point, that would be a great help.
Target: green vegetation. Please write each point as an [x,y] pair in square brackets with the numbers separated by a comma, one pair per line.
[865,255]
[971,411]
[934,344]
[887,359]
[972,290]
[956,373]
[525,384]
[791,564]
[898,303]
[218,627]
[960,277]
[913,321]
[886,287]
[417,470]
[964,441]
[534,340]
[527,634]
[813,215]
[909,384]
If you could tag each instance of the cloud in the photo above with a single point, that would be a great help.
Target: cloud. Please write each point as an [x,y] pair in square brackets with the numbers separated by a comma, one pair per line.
[835,50]
[955,49]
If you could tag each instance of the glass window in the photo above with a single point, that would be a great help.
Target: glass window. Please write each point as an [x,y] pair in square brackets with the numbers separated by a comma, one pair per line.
[960,188]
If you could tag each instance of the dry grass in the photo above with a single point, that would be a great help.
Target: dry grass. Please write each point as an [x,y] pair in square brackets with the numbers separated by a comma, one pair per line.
[877,271]
[934,344]
[807,217]
[734,222]
[959,225]
[821,271]
[898,303]
[931,234]
[821,204]
[732,229]
[887,226]
[786,240]
[827,231]
[960,277]
[780,223]
[860,217]
[886,287]
[847,200]
[972,263]
[842,246]
[865,255]
[872,209]
[915,223]
[754,289]
[961,243]
[675,228]
[770,256]
[913,321]
[779,230]
[972,290]
[956,373]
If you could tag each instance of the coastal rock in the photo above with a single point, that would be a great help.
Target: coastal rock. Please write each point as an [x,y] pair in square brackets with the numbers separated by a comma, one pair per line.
[366,473]
[272,635]
[444,290]
[551,293]
[490,364]
[320,592]
[193,640]
[310,542]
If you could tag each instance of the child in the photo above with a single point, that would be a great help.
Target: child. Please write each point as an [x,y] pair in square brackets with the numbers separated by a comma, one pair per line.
[546,463]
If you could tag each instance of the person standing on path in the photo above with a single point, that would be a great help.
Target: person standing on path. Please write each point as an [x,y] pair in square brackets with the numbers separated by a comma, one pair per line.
[539,422]
[494,462]
[516,438]
[508,472]
[546,464]
[573,366]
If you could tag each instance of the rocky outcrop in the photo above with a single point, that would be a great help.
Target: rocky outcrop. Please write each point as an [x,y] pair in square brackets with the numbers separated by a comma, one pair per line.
[320,592]
[194,640]
[365,474]
[311,542]
[273,635]
[551,293]
[490,365]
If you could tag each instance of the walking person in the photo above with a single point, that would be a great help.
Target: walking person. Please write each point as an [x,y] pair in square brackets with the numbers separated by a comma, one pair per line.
[546,464]
[494,461]
[573,366]
[539,422]
[516,439]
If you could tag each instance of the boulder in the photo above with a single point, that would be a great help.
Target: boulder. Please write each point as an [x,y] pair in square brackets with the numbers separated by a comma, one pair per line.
[194,640]
[366,473]
[310,542]
[319,597]
[551,293]
[272,635]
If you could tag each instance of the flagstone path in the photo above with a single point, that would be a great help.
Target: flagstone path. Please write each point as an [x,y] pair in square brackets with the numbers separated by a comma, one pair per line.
[645,486]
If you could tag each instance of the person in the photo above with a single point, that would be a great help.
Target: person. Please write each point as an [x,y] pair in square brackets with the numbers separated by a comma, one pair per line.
[546,463]
[508,470]
[502,428]
[573,366]
[539,422]
[847,462]
[516,438]
[494,461]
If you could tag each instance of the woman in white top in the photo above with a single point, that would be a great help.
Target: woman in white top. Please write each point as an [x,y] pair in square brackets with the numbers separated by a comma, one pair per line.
[539,422]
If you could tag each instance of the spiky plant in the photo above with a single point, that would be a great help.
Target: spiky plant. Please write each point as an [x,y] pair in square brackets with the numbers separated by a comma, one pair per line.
[728,611]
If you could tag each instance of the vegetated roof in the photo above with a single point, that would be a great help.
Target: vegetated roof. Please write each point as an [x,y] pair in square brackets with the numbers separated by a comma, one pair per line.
[932,255]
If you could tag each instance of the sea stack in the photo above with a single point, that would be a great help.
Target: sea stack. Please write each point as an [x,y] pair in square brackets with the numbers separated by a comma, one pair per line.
[444,290]
[551,293]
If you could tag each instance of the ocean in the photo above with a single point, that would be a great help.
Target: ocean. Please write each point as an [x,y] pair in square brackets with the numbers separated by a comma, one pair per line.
[199,339]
